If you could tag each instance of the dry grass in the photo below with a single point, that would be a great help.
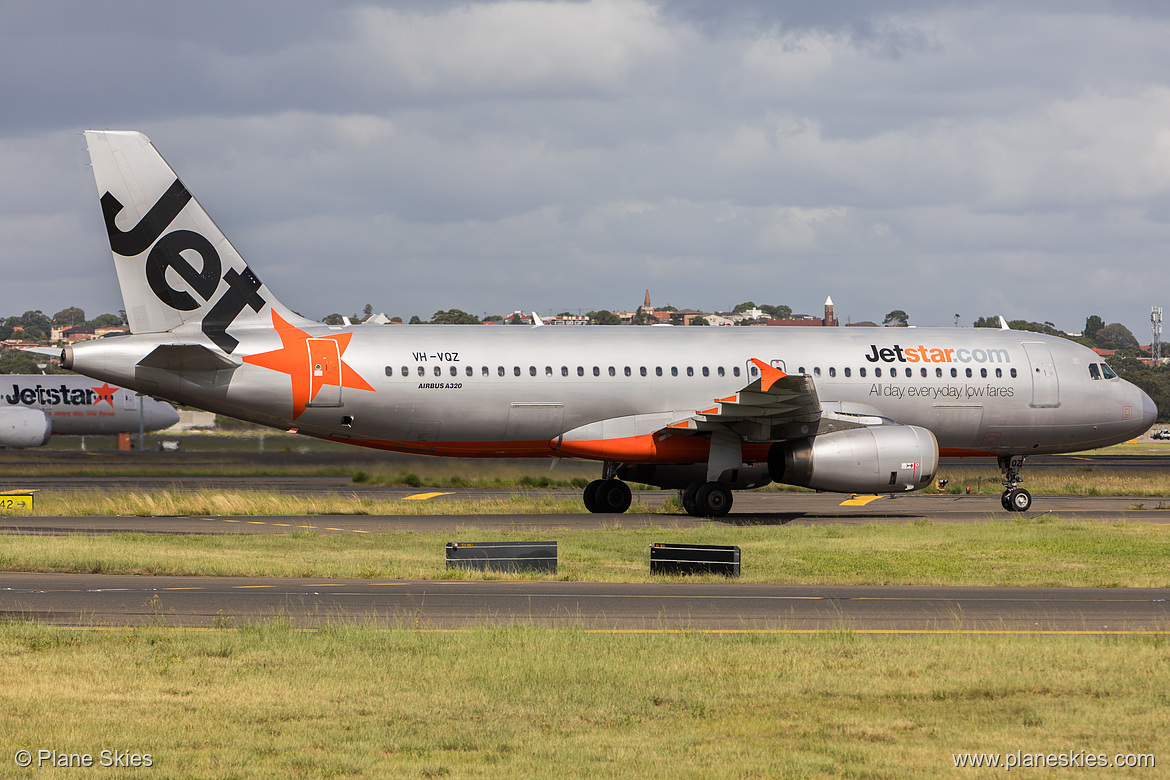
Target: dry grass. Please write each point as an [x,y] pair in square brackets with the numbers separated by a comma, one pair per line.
[268,701]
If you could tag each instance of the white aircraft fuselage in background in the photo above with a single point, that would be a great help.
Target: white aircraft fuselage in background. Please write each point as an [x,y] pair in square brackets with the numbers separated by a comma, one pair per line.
[705,410]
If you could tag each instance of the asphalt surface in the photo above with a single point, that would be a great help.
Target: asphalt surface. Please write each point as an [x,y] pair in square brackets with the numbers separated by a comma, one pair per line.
[758,508]
[108,600]
[210,602]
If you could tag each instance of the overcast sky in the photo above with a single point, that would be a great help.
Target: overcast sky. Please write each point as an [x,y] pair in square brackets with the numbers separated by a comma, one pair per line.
[976,158]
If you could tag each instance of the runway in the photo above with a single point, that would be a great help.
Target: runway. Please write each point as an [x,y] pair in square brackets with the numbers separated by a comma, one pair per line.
[751,508]
[121,600]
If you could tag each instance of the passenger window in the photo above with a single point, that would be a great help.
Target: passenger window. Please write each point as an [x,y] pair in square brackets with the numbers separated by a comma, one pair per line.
[500,370]
[719,370]
[954,373]
[706,371]
[642,370]
[1107,371]
[801,371]
[658,371]
[422,371]
[690,371]
[389,371]
[486,371]
[454,371]
[938,372]
[832,371]
[516,370]
[580,370]
[628,372]
[612,371]
[877,372]
[548,371]
[438,370]
[405,371]
[596,371]
[470,371]
[968,373]
[735,371]
[674,370]
[999,373]
[817,371]
[532,371]
[754,371]
[924,373]
[848,372]
[1094,372]
[861,371]
[564,370]
[1013,373]
[983,372]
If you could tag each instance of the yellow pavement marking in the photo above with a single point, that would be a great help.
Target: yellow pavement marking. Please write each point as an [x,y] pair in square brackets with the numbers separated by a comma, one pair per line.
[241,587]
[327,528]
[229,521]
[425,496]
[257,522]
[283,525]
[860,500]
[11,492]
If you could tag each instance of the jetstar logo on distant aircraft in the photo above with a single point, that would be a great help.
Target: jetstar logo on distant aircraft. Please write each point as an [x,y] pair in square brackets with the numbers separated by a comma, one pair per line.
[63,395]
[936,355]
[293,359]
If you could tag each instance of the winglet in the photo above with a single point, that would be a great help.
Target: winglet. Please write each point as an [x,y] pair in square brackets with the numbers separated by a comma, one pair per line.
[536,320]
[769,375]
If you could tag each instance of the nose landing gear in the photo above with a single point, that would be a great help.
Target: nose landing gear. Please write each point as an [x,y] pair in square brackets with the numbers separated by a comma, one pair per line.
[1014,498]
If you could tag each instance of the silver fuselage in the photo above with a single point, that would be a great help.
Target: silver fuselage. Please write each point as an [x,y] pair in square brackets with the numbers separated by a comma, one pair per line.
[491,391]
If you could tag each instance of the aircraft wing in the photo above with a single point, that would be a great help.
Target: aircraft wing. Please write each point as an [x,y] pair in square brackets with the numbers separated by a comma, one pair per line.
[773,407]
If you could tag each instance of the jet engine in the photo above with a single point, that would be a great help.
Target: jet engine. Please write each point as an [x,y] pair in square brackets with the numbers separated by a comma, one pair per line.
[883,459]
[22,427]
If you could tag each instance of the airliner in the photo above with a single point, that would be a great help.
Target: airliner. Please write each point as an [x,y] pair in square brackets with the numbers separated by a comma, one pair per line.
[706,411]
[34,407]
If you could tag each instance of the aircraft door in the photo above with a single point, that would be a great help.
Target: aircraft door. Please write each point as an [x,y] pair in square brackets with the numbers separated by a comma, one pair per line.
[1045,386]
[130,401]
[324,373]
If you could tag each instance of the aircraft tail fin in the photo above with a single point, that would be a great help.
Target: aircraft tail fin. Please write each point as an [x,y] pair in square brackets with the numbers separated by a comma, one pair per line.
[177,270]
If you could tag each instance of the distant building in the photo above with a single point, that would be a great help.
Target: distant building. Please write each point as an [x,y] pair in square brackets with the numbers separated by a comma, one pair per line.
[566,319]
[808,321]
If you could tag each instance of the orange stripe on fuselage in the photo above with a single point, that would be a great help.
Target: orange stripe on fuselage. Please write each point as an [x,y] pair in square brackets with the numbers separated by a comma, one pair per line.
[632,449]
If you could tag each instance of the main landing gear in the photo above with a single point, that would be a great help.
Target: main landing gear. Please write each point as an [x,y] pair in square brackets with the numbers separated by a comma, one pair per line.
[710,499]
[607,496]
[1014,499]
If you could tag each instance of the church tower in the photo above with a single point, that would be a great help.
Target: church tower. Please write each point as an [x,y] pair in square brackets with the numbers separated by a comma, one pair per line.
[646,306]
[830,319]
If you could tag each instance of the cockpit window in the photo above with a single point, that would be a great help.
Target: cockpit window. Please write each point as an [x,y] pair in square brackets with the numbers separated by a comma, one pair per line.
[1094,372]
[1107,371]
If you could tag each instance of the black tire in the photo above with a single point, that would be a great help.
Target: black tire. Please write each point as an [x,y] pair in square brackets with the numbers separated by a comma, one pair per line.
[688,500]
[1021,500]
[613,495]
[713,500]
[1005,501]
[590,496]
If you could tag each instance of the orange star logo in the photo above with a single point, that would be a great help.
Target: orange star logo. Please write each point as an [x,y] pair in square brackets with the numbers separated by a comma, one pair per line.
[104,393]
[309,363]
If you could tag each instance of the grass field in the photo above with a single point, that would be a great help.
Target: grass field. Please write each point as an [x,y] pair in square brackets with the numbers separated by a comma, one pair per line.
[348,701]
[1040,552]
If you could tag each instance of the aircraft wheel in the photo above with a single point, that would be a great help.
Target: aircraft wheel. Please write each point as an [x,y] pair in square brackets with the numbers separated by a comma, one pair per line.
[713,500]
[613,495]
[1005,501]
[590,496]
[688,500]
[1020,500]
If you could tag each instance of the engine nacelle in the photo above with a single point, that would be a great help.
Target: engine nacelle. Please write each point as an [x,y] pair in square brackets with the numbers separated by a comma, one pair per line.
[673,476]
[884,459]
[21,427]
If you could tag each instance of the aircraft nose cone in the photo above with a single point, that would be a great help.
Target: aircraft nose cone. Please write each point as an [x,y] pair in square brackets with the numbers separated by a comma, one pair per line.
[1149,412]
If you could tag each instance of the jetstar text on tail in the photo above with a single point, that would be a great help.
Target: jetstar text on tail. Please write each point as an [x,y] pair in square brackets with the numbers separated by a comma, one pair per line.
[922,354]
[51,396]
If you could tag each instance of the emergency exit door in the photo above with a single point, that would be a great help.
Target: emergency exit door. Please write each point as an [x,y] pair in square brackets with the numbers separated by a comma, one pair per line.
[324,373]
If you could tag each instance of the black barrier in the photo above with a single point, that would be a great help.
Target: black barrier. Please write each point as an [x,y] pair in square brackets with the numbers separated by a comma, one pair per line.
[694,559]
[503,556]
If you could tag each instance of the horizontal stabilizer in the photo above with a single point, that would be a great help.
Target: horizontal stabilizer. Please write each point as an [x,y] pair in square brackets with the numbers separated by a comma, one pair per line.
[187,357]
